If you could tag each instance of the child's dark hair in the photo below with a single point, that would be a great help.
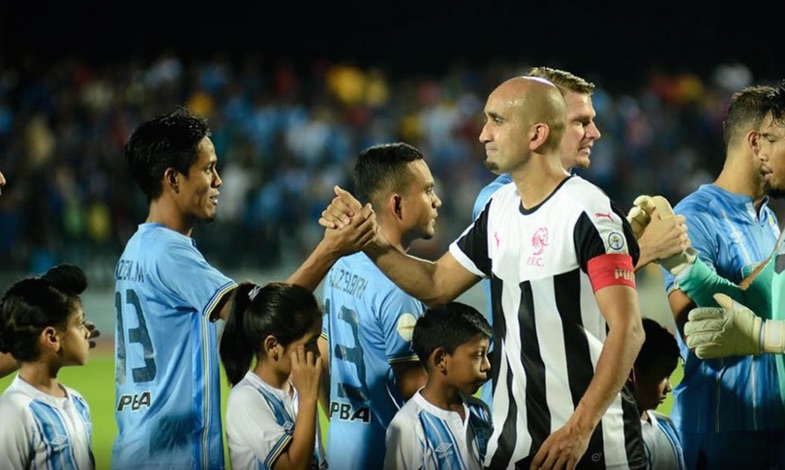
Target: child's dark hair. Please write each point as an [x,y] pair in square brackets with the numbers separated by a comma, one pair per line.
[659,348]
[35,303]
[283,310]
[447,326]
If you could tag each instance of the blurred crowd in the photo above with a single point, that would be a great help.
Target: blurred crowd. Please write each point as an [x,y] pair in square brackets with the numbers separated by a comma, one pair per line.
[286,133]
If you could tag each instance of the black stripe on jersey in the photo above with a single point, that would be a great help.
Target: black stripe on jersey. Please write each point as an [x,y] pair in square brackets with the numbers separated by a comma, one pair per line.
[633,436]
[499,330]
[538,416]
[474,242]
[578,356]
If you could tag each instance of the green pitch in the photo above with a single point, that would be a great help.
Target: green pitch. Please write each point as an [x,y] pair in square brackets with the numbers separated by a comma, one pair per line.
[95,381]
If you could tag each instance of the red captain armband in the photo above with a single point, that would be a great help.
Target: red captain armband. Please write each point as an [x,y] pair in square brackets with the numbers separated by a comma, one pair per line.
[612,269]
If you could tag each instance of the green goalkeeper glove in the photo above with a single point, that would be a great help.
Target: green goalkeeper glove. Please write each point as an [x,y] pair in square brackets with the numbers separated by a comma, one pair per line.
[732,330]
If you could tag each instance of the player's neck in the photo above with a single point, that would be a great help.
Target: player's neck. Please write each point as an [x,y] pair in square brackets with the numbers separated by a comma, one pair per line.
[165,214]
[42,377]
[443,396]
[536,186]
[738,176]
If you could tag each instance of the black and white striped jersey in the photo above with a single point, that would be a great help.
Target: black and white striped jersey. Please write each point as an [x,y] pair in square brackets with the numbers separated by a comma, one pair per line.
[545,264]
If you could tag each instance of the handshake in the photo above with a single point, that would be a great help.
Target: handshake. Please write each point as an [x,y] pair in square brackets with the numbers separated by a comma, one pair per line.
[644,210]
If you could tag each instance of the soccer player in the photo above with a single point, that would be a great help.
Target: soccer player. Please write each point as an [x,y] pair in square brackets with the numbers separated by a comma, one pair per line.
[168,297]
[45,424]
[368,325]
[661,239]
[271,412]
[726,410]
[443,426]
[560,256]
[650,383]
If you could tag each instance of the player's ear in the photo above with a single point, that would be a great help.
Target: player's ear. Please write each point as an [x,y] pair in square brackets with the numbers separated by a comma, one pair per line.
[49,339]
[270,346]
[171,179]
[439,360]
[394,205]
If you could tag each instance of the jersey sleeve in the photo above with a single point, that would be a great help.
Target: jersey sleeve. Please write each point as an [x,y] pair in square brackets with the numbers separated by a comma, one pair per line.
[605,245]
[251,418]
[403,447]
[398,314]
[16,438]
[184,271]
[471,247]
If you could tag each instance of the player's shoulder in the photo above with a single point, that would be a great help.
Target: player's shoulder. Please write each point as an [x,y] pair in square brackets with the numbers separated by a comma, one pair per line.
[701,201]
[582,194]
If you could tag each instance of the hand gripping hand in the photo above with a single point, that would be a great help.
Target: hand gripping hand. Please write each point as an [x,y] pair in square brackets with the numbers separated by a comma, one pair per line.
[640,214]
[732,330]
[676,263]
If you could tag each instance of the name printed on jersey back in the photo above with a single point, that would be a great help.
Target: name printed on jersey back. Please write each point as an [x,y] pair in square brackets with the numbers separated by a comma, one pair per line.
[128,270]
[348,282]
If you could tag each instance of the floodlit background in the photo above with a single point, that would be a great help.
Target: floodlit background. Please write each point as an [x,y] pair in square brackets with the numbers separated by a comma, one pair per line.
[294,91]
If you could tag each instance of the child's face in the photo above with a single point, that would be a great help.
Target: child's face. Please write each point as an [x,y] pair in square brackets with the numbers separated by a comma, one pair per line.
[308,340]
[651,387]
[74,340]
[468,366]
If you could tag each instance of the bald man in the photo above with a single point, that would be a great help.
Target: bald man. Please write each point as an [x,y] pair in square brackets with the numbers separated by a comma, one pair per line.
[560,256]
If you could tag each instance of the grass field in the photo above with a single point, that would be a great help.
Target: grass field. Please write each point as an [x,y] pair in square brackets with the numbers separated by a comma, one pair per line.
[95,382]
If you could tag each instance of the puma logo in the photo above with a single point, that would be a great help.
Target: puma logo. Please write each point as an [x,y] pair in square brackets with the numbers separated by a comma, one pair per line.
[600,214]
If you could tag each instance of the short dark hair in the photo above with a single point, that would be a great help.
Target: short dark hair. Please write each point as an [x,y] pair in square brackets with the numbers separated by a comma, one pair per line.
[34,303]
[381,169]
[564,81]
[660,347]
[745,112]
[775,104]
[447,326]
[167,141]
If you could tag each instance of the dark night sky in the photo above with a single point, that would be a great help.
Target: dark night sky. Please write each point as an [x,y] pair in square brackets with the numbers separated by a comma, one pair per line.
[609,40]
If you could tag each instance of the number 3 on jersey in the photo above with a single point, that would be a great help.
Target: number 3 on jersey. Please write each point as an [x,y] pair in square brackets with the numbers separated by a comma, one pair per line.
[137,335]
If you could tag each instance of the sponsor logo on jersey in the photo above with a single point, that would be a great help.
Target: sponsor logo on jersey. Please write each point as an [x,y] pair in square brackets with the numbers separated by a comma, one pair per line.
[135,401]
[345,412]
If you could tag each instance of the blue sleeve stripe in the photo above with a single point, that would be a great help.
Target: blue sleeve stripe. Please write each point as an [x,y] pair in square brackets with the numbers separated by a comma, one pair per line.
[278,449]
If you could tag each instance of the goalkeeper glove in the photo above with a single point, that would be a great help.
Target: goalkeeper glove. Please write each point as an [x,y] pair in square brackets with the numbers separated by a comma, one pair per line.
[677,263]
[732,330]
[639,216]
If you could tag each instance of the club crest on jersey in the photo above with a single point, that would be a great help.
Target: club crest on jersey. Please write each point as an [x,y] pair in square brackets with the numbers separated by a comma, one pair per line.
[539,241]
[405,326]
[616,241]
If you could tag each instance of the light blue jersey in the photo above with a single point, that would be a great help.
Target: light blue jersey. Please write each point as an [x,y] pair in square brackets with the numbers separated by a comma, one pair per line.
[733,394]
[423,436]
[40,431]
[167,372]
[486,393]
[368,326]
